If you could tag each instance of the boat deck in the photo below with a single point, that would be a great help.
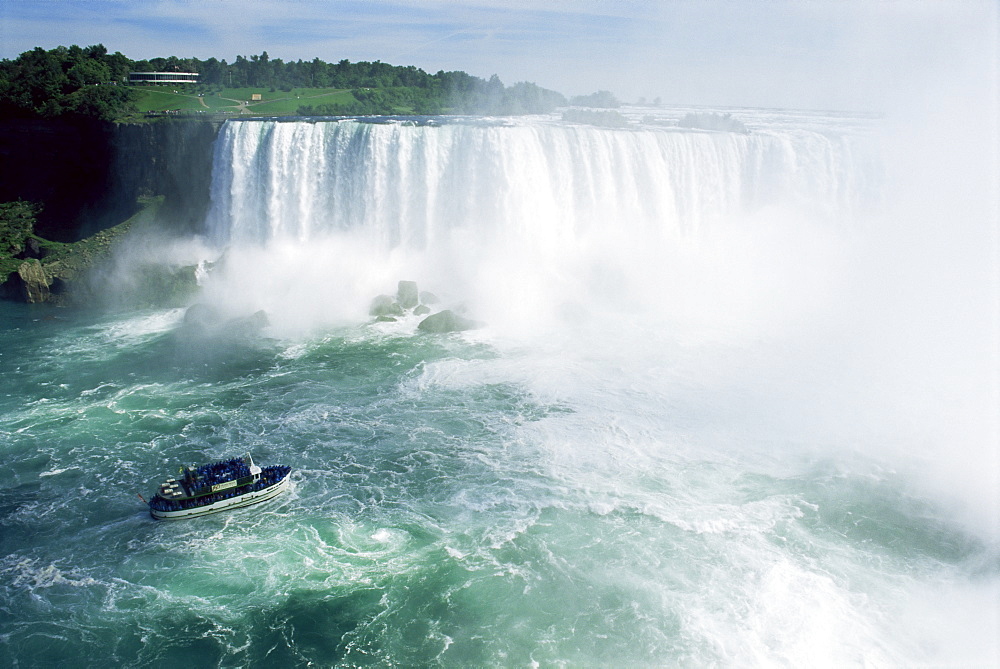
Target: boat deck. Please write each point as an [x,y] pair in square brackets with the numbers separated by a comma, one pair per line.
[218,486]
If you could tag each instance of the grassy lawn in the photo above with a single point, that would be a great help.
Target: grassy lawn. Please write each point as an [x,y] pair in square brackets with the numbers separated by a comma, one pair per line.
[214,102]
[297,98]
[164,98]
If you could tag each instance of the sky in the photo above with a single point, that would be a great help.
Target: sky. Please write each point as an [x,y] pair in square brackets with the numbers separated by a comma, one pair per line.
[832,54]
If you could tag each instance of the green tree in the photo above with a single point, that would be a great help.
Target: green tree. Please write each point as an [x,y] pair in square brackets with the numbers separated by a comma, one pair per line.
[601,99]
[39,81]
[17,221]
[64,80]
[212,72]
[118,64]
[527,98]
[81,81]
[102,102]
[88,71]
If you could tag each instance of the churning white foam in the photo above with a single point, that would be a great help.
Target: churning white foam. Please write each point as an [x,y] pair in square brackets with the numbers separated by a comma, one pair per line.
[530,224]
[740,300]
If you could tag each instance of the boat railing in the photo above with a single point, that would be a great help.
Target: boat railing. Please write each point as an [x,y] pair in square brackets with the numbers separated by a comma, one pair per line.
[205,496]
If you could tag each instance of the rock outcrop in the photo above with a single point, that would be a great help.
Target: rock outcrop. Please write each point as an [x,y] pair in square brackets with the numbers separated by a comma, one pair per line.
[406,294]
[31,282]
[206,320]
[247,326]
[89,177]
[201,316]
[88,272]
[447,321]
[385,308]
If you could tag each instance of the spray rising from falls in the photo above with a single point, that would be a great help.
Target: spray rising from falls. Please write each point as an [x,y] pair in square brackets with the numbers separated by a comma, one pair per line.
[773,240]
[545,208]
[703,426]
[689,297]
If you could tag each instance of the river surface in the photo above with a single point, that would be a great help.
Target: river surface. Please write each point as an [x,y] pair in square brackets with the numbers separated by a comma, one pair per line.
[704,423]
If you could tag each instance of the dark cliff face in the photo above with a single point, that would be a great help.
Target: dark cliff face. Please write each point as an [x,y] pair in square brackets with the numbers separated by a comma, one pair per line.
[88,175]
[169,158]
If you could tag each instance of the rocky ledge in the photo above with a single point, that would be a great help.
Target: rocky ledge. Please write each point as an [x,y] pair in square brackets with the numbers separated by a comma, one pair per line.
[59,273]
[388,308]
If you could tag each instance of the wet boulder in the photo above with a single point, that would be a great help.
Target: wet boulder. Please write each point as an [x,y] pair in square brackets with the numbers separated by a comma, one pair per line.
[384,305]
[32,249]
[247,326]
[32,282]
[201,316]
[207,321]
[447,321]
[406,294]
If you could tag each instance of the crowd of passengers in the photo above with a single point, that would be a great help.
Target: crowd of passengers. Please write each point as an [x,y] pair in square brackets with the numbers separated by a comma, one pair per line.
[268,476]
[219,472]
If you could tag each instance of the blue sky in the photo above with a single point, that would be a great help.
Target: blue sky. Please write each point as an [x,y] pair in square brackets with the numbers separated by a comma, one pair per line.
[821,53]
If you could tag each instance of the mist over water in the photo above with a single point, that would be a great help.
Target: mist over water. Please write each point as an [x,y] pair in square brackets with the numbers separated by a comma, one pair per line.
[724,410]
[539,214]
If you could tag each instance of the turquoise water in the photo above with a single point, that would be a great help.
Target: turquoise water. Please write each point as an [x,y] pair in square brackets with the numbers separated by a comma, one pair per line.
[703,425]
[440,515]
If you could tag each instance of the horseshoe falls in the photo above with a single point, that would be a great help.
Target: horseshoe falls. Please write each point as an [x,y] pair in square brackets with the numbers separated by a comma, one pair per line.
[731,402]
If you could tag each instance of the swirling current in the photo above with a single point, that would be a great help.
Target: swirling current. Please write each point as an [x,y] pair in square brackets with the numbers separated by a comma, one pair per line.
[672,443]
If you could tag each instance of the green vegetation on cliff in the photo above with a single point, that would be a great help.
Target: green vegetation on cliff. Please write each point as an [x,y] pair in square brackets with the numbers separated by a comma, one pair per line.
[600,99]
[34,269]
[90,82]
[17,222]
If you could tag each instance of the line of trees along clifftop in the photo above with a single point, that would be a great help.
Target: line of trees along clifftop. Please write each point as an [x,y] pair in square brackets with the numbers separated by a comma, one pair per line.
[71,81]
[89,82]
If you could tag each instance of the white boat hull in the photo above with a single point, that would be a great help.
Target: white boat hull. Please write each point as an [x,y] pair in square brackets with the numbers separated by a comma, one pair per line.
[226,504]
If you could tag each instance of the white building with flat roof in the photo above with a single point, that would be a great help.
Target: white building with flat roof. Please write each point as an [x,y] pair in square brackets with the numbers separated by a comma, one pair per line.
[163,77]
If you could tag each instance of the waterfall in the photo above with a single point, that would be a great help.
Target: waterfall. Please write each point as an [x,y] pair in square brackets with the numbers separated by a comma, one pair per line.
[733,404]
[411,186]
[521,219]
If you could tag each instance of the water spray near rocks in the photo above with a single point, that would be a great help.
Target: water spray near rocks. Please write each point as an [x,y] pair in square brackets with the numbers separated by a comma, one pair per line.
[408,300]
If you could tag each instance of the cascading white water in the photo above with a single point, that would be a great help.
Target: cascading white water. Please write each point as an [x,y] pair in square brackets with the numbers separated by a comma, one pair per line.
[551,211]
[729,408]
[413,185]
[696,298]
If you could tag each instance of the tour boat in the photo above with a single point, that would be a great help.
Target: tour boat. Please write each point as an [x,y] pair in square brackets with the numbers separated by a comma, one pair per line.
[219,486]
